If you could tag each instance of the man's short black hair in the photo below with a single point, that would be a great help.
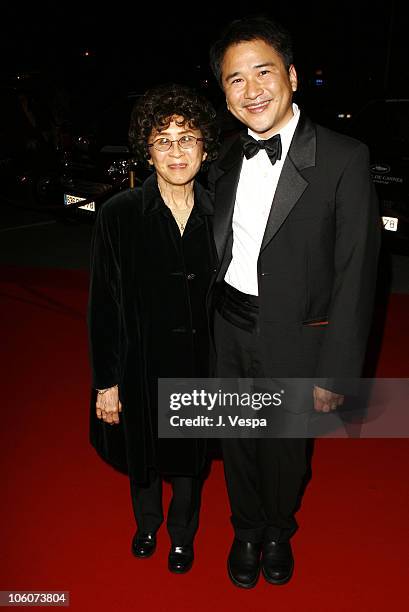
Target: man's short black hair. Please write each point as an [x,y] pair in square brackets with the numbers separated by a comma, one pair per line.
[247,29]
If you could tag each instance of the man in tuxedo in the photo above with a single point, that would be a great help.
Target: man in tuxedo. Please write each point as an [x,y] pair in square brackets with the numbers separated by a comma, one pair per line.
[297,233]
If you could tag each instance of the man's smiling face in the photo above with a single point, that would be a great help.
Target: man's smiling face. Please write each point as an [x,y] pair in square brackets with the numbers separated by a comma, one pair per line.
[258,87]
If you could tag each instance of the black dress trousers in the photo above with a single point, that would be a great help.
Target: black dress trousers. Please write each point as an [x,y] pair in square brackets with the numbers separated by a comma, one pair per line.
[264,477]
[183,514]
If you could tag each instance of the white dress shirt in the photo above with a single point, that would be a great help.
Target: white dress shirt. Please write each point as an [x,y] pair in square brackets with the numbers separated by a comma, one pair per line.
[255,193]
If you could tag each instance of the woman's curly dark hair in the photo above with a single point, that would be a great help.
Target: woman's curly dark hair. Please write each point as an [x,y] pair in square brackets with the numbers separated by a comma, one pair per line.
[155,109]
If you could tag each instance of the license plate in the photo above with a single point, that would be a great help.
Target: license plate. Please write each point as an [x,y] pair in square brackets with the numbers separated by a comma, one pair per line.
[390,224]
[71,199]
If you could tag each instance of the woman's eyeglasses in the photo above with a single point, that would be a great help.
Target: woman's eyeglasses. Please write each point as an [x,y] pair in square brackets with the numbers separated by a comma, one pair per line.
[185,142]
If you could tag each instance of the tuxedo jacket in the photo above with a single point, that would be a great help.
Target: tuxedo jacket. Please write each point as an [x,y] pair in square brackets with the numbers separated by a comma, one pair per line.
[318,259]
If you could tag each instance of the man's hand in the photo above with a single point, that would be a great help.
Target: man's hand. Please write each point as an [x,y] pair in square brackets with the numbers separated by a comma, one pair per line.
[325,401]
[108,406]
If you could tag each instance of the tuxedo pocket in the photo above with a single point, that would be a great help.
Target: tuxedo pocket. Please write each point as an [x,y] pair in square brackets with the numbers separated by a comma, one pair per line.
[315,322]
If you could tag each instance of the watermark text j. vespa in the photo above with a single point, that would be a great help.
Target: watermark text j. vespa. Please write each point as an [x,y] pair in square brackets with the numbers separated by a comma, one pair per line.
[210,401]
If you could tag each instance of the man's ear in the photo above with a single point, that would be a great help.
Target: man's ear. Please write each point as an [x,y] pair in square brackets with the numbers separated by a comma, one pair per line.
[292,75]
[204,155]
[150,162]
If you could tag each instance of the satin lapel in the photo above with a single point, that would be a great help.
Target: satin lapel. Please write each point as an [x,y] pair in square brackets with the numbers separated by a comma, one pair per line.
[225,196]
[292,184]
[290,188]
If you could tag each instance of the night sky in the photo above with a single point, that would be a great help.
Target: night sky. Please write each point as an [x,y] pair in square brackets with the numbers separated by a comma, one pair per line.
[129,44]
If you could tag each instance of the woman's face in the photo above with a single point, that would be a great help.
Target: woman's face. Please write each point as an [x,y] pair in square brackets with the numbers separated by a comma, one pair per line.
[177,166]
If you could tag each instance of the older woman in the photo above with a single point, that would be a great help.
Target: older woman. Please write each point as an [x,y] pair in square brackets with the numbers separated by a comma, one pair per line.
[152,258]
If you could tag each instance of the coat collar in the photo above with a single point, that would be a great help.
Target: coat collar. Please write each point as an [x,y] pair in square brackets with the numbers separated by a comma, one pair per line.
[291,185]
[302,149]
[152,201]
[233,156]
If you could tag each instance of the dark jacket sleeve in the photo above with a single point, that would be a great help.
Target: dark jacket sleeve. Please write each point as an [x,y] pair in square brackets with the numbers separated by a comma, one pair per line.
[104,315]
[357,240]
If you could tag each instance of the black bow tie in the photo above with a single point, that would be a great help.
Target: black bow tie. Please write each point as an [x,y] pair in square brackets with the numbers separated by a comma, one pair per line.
[272,146]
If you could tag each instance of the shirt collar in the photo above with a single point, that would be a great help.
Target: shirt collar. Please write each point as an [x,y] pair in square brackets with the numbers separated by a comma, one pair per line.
[286,133]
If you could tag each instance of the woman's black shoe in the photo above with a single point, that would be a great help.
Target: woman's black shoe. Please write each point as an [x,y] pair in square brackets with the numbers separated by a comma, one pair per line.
[144,544]
[180,558]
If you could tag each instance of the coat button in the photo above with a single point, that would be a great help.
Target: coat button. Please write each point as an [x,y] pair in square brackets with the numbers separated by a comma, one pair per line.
[191,276]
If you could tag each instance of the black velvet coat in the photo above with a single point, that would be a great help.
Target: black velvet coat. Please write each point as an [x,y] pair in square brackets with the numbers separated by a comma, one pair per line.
[147,319]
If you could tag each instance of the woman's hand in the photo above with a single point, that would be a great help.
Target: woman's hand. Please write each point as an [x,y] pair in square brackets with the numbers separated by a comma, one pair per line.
[108,405]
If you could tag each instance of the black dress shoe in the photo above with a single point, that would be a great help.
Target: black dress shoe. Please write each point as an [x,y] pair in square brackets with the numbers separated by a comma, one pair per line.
[277,562]
[144,544]
[243,563]
[180,558]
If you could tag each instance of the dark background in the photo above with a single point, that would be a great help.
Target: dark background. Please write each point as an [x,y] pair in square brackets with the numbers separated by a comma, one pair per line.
[361,47]
[99,50]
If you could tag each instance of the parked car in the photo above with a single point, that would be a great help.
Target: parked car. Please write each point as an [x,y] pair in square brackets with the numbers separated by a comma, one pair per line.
[95,162]
[69,168]
[384,126]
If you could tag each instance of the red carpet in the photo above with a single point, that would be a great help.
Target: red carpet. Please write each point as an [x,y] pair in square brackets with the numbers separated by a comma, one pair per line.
[66,521]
